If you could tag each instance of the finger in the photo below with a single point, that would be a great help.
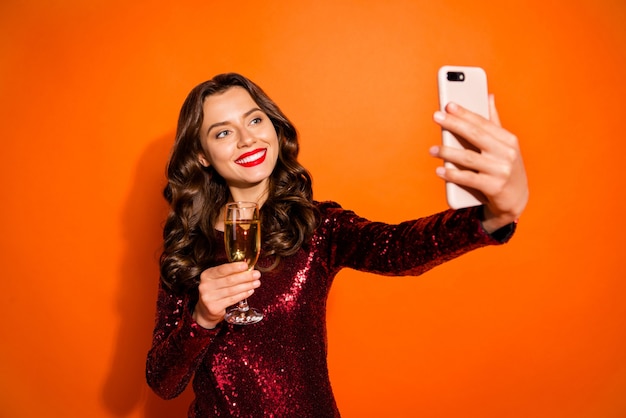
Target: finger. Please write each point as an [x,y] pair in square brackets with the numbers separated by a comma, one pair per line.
[499,165]
[214,283]
[223,270]
[491,126]
[240,283]
[217,299]
[237,297]
[230,295]
[465,159]
[466,178]
[471,169]
[231,268]
[463,123]
[480,132]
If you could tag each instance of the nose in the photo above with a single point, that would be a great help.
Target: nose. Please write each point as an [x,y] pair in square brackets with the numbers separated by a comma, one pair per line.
[246,138]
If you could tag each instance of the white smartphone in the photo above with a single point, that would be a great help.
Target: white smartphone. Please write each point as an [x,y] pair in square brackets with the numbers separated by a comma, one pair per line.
[466,86]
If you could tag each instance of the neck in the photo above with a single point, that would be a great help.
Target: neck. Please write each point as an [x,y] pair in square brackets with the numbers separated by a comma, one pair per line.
[257,193]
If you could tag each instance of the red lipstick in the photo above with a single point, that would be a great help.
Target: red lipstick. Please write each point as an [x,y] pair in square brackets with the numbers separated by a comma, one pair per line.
[252,158]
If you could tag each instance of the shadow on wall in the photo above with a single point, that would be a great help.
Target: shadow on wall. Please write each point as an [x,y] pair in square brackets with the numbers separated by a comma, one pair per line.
[125,388]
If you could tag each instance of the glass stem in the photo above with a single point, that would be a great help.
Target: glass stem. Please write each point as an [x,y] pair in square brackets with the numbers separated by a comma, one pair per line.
[243,305]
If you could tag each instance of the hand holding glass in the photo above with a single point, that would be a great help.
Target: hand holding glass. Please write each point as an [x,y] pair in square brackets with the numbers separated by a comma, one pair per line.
[242,238]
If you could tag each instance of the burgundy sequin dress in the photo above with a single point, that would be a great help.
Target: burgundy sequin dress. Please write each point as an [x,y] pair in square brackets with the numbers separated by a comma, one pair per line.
[277,367]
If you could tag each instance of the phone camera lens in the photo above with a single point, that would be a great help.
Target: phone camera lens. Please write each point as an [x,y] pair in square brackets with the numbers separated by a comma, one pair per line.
[456,76]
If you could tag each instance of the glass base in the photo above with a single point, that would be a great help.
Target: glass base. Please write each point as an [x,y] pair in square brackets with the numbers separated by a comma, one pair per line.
[240,317]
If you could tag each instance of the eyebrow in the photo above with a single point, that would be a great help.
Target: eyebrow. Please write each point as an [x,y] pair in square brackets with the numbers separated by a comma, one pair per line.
[245,115]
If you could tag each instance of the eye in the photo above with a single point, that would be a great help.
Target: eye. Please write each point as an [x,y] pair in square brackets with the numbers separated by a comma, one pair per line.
[255,121]
[222,134]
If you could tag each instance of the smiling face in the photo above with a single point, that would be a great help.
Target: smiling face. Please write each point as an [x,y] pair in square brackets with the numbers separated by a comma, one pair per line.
[240,142]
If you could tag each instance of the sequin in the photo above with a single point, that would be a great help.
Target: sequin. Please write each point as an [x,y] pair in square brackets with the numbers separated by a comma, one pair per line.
[278,367]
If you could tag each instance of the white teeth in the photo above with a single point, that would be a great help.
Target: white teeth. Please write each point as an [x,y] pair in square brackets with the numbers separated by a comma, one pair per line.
[251,158]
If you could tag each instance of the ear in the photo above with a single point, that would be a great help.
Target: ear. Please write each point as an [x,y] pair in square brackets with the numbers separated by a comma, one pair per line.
[203,161]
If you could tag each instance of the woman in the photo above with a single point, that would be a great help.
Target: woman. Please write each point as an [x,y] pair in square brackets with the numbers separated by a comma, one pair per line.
[234,144]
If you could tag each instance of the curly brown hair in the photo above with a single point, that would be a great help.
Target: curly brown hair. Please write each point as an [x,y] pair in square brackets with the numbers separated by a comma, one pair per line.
[196,194]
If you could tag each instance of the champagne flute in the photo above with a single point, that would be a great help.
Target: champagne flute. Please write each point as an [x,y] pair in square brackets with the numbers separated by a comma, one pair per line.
[242,238]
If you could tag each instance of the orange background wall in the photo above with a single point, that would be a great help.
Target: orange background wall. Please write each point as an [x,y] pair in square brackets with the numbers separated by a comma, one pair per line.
[89,96]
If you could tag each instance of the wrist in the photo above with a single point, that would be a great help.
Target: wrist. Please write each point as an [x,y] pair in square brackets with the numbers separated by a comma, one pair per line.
[492,222]
[203,322]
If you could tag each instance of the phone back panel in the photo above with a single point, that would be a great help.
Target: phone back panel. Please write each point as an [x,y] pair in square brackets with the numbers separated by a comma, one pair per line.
[466,86]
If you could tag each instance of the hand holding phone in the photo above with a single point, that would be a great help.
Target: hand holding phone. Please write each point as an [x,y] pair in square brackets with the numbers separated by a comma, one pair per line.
[466,86]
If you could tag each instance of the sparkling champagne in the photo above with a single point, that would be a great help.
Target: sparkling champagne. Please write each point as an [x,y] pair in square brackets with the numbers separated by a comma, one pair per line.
[243,240]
